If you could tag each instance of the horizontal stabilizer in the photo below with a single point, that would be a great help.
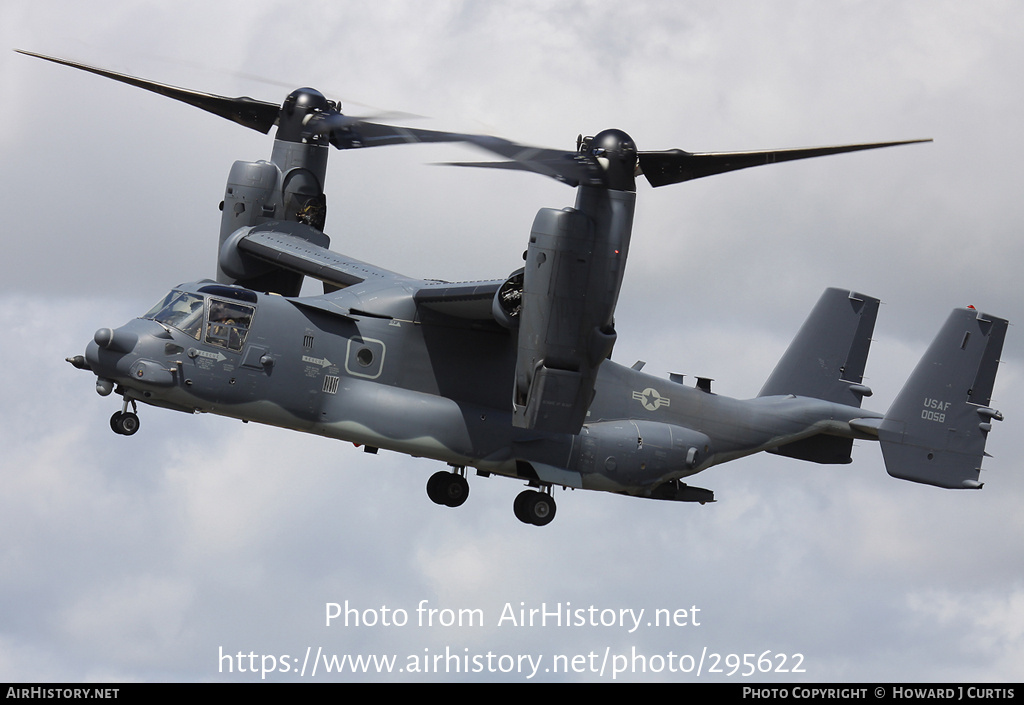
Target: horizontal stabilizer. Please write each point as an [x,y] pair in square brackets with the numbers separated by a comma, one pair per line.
[935,430]
[827,357]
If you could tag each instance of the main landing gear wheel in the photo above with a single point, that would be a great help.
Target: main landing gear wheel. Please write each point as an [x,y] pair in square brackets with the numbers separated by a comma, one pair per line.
[447,488]
[124,423]
[533,507]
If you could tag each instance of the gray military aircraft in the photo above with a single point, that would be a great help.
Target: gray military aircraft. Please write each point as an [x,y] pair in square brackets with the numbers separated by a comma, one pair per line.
[513,376]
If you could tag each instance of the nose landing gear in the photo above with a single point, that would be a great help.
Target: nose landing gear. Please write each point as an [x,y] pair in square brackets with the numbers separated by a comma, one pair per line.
[124,422]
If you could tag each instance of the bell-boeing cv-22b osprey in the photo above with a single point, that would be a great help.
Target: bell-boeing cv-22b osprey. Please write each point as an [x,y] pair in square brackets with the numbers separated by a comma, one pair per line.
[512,376]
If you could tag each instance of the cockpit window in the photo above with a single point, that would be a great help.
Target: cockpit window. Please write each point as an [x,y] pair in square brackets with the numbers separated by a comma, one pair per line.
[229,324]
[180,310]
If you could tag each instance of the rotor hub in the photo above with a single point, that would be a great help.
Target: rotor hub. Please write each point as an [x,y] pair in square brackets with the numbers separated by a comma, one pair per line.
[305,100]
[297,110]
[616,152]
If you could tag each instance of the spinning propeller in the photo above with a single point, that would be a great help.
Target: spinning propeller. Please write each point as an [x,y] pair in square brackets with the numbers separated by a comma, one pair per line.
[305,115]
[611,159]
[608,159]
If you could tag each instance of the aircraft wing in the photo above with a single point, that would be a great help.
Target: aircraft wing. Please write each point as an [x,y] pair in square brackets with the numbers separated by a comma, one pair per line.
[302,249]
[296,247]
[472,300]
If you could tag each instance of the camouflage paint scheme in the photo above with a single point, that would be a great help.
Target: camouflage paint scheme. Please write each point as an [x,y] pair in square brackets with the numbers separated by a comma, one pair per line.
[511,377]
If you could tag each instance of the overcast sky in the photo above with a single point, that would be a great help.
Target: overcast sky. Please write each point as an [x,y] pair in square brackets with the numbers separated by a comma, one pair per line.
[145,558]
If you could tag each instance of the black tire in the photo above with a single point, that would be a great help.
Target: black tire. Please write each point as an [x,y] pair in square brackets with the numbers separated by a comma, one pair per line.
[434,486]
[541,509]
[127,424]
[519,506]
[448,489]
[533,507]
[456,490]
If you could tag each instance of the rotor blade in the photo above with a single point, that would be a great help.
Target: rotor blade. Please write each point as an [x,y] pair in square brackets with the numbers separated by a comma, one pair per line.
[347,132]
[350,132]
[570,168]
[675,166]
[254,114]
[517,166]
[555,171]
[375,134]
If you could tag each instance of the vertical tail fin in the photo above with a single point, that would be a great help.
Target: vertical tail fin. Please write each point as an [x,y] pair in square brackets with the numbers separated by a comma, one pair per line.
[827,357]
[935,430]
[826,361]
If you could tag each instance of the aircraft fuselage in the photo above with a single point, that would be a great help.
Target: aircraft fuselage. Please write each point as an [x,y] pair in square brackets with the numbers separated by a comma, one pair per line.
[367,365]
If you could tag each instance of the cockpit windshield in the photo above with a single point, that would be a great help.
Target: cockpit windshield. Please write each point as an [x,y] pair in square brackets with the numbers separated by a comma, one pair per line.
[227,322]
[180,310]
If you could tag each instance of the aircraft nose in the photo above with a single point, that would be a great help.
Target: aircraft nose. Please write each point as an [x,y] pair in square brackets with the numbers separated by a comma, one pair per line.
[129,355]
[92,361]
[120,340]
[107,355]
